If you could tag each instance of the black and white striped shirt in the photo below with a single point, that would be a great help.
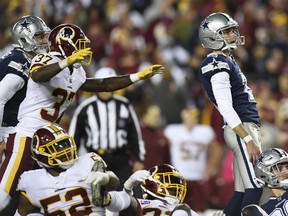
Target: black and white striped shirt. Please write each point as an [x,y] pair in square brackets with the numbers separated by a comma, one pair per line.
[110,125]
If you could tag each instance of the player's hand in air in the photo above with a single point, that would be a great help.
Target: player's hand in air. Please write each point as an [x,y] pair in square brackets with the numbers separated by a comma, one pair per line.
[150,71]
[135,179]
[147,72]
[95,178]
[78,56]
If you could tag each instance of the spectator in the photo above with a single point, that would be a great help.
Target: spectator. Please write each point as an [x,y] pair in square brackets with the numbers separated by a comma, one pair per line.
[196,153]
[154,138]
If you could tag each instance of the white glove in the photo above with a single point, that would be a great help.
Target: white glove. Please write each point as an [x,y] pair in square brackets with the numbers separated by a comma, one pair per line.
[135,179]
[96,178]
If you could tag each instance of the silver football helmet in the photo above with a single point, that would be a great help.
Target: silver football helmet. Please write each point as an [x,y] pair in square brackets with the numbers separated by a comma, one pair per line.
[211,32]
[268,170]
[24,32]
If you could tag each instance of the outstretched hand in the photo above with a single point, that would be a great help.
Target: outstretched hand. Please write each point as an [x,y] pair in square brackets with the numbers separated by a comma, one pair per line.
[135,179]
[95,178]
[78,56]
[150,71]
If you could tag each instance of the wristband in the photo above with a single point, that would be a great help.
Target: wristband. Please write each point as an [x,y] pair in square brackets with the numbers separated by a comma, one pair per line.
[134,77]
[247,139]
[63,63]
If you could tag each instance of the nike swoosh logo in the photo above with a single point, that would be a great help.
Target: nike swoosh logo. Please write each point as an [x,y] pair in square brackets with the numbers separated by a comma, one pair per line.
[59,189]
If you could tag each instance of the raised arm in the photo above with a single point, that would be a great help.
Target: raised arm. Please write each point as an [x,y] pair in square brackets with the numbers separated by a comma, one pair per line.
[119,82]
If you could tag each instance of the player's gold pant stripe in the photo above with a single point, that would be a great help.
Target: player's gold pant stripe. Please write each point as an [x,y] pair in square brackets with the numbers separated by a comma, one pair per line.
[16,164]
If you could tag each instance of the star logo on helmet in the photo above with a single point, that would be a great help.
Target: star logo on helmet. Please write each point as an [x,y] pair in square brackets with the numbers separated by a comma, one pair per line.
[261,157]
[205,25]
[25,25]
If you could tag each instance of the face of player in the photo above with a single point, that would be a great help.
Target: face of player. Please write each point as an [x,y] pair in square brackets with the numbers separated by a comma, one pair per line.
[230,34]
[42,41]
[281,170]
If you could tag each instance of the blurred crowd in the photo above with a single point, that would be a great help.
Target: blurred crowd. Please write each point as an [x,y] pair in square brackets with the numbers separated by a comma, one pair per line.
[128,35]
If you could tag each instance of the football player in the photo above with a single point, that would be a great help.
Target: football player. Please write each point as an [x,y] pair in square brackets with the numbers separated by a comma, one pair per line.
[227,88]
[30,37]
[271,171]
[55,77]
[164,190]
[66,184]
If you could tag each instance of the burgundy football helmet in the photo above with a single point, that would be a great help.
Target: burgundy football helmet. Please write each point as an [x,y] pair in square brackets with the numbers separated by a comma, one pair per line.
[52,147]
[166,184]
[67,39]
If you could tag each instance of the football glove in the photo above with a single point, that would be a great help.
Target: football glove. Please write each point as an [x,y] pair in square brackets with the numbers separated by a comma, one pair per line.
[78,56]
[150,71]
[95,178]
[147,72]
[135,179]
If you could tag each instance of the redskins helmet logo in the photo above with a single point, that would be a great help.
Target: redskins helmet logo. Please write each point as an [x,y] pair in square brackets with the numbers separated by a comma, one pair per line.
[66,33]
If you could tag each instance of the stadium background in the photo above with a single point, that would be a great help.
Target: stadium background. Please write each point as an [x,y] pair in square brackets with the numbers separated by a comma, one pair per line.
[127,35]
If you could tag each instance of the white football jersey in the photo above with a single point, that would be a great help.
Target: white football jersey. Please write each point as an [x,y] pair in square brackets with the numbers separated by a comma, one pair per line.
[189,149]
[45,102]
[157,207]
[64,194]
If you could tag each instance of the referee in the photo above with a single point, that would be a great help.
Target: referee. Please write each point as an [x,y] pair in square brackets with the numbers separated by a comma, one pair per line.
[107,124]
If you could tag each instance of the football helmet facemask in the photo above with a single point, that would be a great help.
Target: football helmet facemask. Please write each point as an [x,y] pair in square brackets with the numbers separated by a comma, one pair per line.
[212,29]
[67,39]
[269,168]
[166,184]
[24,32]
[52,147]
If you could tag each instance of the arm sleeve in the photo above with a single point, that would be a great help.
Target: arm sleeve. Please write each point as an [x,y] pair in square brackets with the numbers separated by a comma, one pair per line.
[120,200]
[221,88]
[180,212]
[9,85]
